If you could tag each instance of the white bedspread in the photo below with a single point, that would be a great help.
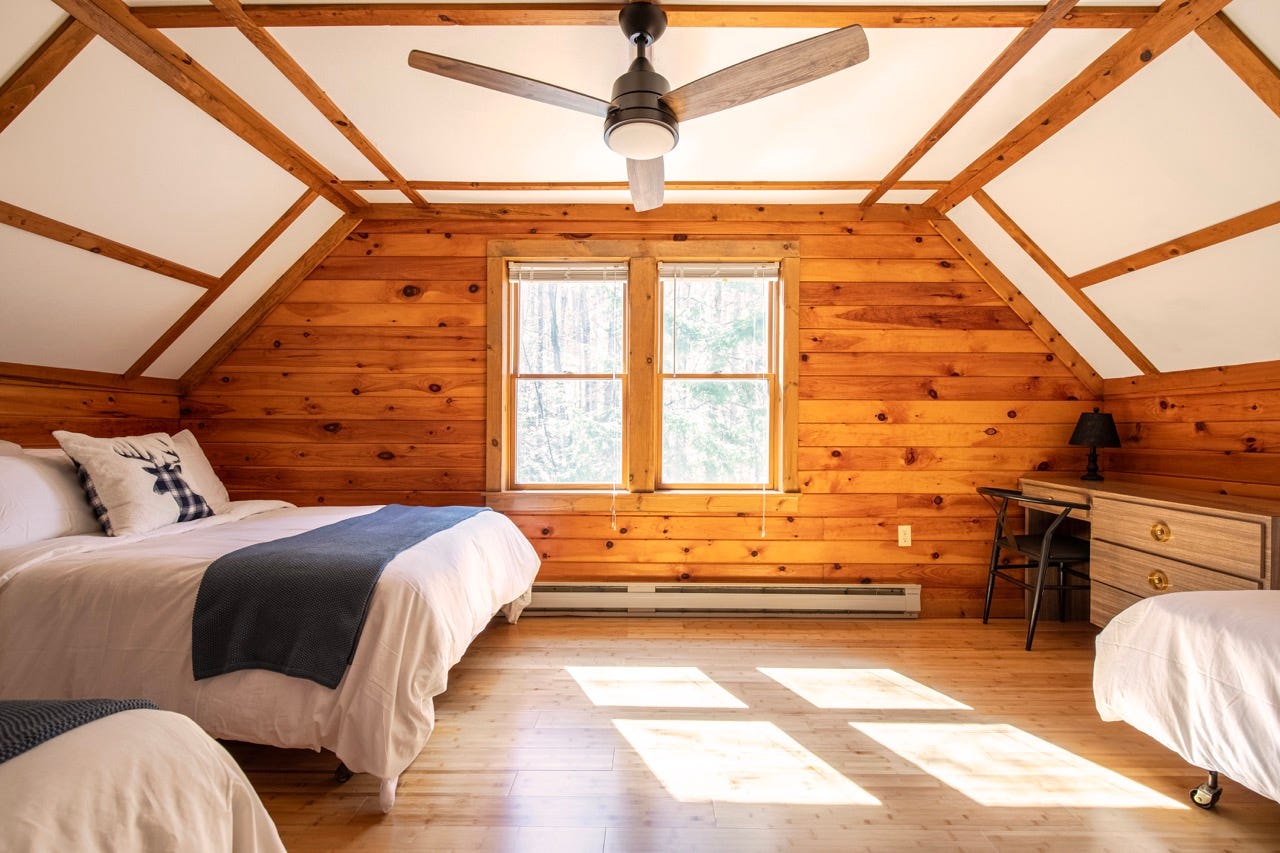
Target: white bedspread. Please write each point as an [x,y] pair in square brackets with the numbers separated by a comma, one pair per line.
[91,616]
[138,780]
[1200,672]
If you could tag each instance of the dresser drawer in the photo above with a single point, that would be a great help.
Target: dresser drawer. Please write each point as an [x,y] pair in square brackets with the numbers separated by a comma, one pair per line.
[1106,601]
[1142,574]
[1229,544]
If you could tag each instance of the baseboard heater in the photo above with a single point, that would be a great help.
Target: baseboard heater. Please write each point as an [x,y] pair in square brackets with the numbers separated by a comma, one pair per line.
[862,601]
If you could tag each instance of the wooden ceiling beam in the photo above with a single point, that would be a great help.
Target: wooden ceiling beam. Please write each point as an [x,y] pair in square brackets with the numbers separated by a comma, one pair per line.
[1075,294]
[115,23]
[274,295]
[52,229]
[833,213]
[275,53]
[622,185]
[41,67]
[1003,64]
[67,376]
[606,14]
[1245,223]
[1243,57]
[1174,20]
[1026,311]
[227,279]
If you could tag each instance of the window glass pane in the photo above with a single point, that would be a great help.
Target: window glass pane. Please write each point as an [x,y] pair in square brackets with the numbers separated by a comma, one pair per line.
[570,327]
[715,325]
[715,431]
[568,431]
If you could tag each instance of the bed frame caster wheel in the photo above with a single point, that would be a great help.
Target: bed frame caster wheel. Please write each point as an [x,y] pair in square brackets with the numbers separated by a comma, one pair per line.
[1206,796]
[342,774]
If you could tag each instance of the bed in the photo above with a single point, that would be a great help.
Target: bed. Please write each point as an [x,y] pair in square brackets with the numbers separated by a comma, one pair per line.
[87,615]
[141,780]
[1200,673]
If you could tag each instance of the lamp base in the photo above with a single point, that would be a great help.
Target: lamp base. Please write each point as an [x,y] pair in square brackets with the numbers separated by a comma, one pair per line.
[1091,472]
[1088,476]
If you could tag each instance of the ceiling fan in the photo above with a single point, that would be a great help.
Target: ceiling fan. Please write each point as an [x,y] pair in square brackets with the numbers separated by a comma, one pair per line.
[642,121]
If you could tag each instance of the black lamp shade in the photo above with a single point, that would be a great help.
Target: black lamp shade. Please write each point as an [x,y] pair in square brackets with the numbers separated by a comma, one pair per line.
[1095,429]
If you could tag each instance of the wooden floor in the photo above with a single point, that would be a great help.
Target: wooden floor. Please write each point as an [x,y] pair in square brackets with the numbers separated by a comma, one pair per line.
[936,735]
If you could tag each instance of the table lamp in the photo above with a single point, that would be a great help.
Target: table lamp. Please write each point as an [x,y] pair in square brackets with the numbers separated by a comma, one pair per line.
[1094,429]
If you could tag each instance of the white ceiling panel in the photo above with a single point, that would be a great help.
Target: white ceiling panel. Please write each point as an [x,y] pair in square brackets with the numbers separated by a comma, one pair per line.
[855,124]
[65,307]
[108,148]
[1182,145]
[1051,64]
[1217,306]
[906,196]
[1259,20]
[1074,325]
[261,274]
[383,196]
[240,65]
[27,23]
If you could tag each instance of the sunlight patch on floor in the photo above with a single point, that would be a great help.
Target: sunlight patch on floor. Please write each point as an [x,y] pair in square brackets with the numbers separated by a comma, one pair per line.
[747,762]
[652,687]
[1001,765]
[881,689]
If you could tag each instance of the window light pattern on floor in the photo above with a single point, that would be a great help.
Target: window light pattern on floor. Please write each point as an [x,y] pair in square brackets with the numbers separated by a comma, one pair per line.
[737,762]
[871,689]
[652,687]
[1001,765]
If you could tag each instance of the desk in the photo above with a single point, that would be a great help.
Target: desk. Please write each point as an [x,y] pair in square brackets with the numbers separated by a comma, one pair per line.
[1147,540]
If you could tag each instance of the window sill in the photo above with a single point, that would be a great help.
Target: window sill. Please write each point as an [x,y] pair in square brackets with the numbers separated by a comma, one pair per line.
[544,500]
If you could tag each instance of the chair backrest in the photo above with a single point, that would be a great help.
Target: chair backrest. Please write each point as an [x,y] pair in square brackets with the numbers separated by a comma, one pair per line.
[1003,496]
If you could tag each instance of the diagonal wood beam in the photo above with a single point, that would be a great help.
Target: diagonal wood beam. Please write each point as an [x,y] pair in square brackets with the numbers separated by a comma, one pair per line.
[1006,290]
[1084,303]
[34,223]
[1245,223]
[1003,64]
[275,294]
[115,23]
[227,279]
[1243,57]
[302,81]
[38,71]
[606,14]
[1174,20]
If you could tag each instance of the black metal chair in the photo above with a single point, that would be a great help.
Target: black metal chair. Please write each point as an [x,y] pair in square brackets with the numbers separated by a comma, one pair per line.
[1042,552]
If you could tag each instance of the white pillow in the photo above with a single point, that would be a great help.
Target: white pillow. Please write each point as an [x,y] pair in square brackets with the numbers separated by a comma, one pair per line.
[8,448]
[198,471]
[134,484]
[40,498]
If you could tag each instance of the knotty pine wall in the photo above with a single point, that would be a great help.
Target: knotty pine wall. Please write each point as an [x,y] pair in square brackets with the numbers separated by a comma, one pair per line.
[916,385]
[1216,429]
[31,411]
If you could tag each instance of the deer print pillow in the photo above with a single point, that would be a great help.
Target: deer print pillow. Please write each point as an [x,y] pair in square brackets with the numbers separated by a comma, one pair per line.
[134,484]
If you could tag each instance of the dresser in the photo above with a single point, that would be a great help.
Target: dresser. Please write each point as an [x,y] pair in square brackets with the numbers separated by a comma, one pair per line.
[1147,540]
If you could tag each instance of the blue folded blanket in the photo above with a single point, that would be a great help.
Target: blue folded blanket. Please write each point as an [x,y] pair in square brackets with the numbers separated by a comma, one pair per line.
[27,723]
[297,605]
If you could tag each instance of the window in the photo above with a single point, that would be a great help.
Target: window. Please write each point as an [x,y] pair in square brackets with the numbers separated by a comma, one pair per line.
[642,367]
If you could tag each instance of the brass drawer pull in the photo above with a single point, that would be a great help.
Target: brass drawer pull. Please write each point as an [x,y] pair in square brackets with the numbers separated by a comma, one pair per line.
[1159,580]
[1161,532]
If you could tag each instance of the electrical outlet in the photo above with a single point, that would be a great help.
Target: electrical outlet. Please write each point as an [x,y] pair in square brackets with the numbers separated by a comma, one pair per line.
[904,535]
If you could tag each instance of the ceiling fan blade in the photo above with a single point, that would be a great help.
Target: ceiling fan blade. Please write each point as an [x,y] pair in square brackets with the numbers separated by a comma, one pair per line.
[770,73]
[505,81]
[646,178]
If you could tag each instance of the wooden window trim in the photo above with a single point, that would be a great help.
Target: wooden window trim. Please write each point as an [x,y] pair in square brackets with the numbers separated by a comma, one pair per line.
[640,457]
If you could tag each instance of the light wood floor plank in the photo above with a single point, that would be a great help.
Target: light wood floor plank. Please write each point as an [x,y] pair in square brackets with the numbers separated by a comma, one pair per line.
[522,759]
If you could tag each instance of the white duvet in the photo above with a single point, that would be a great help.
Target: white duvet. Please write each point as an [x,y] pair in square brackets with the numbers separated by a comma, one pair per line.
[140,781]
[92,616]
[1200,673]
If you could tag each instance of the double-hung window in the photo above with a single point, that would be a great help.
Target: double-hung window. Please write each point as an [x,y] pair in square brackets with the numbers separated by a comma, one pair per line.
[649,369]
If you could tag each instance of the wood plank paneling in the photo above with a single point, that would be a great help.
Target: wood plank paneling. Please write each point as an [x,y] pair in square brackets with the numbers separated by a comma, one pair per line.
[917,384]
[31,411]
[1216,429]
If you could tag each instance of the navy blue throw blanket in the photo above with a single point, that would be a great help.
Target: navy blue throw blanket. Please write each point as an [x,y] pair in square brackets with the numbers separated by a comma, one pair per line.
[27,723]
[297,605]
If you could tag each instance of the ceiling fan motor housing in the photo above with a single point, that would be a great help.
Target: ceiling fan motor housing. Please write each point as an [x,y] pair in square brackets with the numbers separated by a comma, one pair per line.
[637,96]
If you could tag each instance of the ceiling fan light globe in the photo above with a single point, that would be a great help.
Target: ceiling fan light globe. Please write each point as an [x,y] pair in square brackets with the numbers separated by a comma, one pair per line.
[640,139]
